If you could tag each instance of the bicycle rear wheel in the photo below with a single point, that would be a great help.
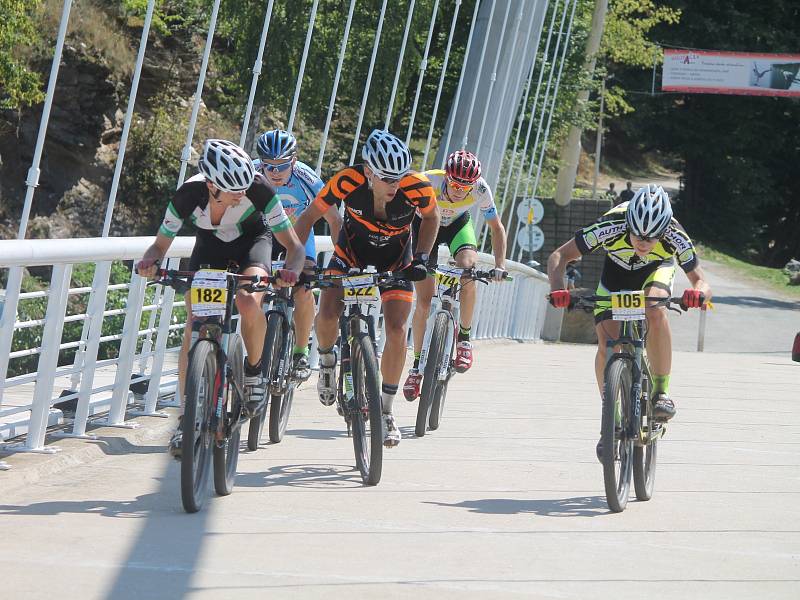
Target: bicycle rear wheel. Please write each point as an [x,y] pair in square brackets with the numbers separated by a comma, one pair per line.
[281,404]
[432,388]
[645,457]
[617,452]
[269,360]
[226,451]
[201,379]
[367,418]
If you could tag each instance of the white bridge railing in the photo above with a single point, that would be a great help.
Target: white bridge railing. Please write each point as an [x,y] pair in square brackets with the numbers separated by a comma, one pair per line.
[513,310]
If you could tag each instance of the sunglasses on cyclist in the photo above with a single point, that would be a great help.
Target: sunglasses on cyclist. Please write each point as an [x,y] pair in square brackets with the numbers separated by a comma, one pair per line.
[457,185]
[645,239]
[387,178]
[279,168]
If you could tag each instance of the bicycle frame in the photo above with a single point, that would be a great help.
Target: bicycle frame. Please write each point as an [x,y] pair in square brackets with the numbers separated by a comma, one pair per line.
[281,303]
[632,339]
[218,331]
[449,304]
[351,323]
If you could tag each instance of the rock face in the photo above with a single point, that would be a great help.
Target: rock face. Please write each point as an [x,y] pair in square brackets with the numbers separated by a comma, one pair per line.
[78,156]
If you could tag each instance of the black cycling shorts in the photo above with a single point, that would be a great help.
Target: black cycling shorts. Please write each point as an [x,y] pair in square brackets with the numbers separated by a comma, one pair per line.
[245,251]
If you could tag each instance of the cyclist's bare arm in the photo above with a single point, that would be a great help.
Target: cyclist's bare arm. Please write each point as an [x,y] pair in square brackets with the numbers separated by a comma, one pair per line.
[156,252]
[498,242]
[295,252]
[558,261]
[697,278]
[306,220]
[428,229]
[334,220]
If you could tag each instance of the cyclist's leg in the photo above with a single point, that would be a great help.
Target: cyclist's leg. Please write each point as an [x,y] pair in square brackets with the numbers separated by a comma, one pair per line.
[463,246]
[659,339]
[326,326]
[396,307]
[303,319]
[425,290]
[254,260]
[304,305]
[606,329]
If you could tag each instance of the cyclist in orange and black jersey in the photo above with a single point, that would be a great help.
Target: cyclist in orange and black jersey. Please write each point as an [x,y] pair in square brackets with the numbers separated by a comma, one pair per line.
[380,199]
[382,240]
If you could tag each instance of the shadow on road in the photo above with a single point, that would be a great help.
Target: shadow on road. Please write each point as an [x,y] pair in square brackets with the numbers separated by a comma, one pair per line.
[319,476]
[140,507]
[580,506]
[119,445]
[318,434]
[756,302]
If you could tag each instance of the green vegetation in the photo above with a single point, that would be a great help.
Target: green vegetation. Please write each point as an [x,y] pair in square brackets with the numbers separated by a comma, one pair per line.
[738,154]
[19,84]
[773,278]
[32,309]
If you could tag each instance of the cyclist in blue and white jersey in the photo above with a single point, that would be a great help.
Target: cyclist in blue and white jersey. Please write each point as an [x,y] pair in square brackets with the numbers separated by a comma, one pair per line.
[296,184]
[236,213]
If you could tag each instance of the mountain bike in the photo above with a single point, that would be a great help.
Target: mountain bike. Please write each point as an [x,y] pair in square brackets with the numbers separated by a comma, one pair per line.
[628,430]
[436,357]
[276,365]
[359,384]
[214,394]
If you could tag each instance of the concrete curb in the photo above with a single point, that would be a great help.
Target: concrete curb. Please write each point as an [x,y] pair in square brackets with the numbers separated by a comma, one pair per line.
[28,468]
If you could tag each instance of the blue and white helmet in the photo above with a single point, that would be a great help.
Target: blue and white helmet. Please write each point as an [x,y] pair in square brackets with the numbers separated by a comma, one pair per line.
[226,165]
[386,154]
[649,212]
[276,144]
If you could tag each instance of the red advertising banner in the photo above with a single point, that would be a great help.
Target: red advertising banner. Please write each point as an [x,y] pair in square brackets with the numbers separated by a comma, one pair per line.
[710,72]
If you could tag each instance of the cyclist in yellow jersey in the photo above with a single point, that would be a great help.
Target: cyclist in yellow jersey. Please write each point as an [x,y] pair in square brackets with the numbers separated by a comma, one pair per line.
[458,188]
[642,241]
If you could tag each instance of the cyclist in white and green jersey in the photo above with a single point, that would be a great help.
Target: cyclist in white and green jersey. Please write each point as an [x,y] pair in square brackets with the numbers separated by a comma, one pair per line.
[459,187]
[236,213]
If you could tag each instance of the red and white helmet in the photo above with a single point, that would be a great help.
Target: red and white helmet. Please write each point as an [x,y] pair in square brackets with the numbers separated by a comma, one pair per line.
[463,167]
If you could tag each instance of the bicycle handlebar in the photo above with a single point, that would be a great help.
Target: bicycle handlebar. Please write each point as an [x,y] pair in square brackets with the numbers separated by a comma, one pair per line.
[476,274]
[182,280]
[589,301]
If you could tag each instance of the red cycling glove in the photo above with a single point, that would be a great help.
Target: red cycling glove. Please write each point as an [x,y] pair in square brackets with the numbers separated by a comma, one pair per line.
[692,299]
[560,298]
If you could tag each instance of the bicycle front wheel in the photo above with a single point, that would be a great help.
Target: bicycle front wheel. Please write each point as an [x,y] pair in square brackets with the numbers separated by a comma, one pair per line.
[269,360]
[367,417]
[226,451]
[645,457]
[433,389]
[281,404]
[197,435]
[617,455]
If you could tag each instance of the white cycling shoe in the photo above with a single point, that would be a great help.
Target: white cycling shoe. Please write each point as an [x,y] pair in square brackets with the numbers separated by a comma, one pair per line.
[391,434]
[326,384]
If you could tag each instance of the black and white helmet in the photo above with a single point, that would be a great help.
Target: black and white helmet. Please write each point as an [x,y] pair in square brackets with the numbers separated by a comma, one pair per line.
[649,212]
[386,154]
[226,165]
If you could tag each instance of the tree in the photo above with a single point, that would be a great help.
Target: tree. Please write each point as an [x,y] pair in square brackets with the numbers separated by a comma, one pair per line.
[738,153]
[19,86]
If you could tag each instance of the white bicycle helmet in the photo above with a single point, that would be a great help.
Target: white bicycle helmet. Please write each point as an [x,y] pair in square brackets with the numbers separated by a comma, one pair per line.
[649,212]
[226,165]
[386,154]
